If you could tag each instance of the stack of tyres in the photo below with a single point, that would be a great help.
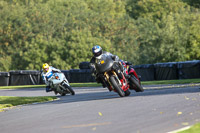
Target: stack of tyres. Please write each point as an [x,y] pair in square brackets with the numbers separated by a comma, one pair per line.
[25,77]
[81,76]
[4,78]
[189,69]
[146,71]
[166,71]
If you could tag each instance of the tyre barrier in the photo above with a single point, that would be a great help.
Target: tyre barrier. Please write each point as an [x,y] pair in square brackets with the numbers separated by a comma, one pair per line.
[169,70]
[24,77]
[4,78]
[189,69]
[81,76]
[166,71]
[148,72]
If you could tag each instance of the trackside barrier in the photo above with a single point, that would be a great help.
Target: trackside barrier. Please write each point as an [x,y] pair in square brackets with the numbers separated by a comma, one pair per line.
[24,77]
[166,71]
[169,70]
[148,72]
[189,69]
[81,76]
[4,78]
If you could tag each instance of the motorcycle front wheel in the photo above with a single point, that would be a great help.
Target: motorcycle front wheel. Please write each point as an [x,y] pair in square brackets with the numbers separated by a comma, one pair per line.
[71,91]
[116,86]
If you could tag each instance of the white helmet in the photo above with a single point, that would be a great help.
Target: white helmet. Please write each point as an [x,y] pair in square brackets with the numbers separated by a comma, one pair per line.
[97,51]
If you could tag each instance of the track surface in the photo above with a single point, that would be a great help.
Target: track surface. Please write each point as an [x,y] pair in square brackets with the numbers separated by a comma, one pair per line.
[96,110]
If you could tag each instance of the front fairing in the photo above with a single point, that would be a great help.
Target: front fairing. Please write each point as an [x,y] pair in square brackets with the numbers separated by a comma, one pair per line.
[57,83]
[104,64]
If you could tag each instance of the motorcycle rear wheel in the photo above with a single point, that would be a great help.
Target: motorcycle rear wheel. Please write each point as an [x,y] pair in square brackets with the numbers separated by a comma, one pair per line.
[134,84]
[127,92]
[116,86]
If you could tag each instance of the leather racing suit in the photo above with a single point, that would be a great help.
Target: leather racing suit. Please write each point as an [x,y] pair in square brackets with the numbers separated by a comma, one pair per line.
[93,69]
[47,75]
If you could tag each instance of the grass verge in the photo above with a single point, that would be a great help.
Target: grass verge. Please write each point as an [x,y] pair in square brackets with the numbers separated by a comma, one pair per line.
[182,81]
[194,129]
[9,101]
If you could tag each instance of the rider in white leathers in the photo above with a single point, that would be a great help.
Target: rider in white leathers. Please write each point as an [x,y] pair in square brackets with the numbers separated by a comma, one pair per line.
[47,73]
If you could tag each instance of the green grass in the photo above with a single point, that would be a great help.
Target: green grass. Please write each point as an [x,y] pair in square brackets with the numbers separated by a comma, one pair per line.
[22,86]
[182,81]
[194,129]
[9,101]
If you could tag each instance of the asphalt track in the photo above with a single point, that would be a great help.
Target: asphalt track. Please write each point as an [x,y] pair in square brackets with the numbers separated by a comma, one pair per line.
[159,109]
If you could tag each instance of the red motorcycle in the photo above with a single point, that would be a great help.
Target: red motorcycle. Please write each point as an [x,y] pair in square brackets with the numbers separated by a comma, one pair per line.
[134,80]
[111,75]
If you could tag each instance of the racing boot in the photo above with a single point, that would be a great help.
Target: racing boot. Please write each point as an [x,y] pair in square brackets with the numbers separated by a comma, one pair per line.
[48,89]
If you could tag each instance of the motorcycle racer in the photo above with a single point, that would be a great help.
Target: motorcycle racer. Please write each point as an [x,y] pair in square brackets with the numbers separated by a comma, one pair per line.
[47,73]
[97,53]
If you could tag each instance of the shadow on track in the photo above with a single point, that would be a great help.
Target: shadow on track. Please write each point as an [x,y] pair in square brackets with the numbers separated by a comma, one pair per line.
[112,95]
[98,93]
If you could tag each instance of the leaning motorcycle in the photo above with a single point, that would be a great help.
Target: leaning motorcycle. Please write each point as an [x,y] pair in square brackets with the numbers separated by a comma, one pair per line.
[60,84]
[110,73]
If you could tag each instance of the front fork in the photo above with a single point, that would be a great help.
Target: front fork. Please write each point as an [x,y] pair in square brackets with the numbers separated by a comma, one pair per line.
[62,85]
[107,77]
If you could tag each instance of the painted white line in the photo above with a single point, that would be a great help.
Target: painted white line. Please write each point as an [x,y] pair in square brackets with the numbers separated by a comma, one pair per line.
[88,125]
[182,129]
[43,102]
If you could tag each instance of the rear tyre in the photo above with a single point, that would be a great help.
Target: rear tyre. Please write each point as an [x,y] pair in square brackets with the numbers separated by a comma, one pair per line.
[127,92]
[116,86]
[134,84]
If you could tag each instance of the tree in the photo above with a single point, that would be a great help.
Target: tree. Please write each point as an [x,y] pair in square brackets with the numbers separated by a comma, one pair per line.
[164,29]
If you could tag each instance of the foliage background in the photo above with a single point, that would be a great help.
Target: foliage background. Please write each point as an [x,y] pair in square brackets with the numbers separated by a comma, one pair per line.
[62,32]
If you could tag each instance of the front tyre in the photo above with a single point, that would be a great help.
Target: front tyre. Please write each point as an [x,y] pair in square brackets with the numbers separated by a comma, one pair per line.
[116,86]
[71,91]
